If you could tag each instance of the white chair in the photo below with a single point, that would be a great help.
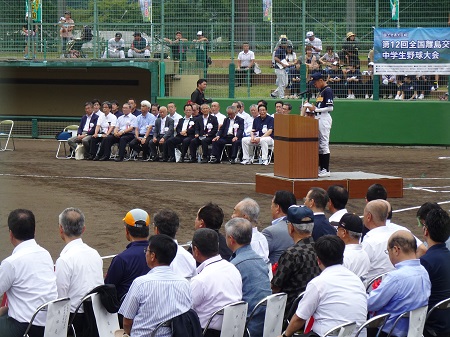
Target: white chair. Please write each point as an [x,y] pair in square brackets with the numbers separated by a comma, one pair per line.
[63,141]
[343,330]
[373,280]
[234,317]
[417,319]
[273,320]
[377,322]
[57,320]
[6,128]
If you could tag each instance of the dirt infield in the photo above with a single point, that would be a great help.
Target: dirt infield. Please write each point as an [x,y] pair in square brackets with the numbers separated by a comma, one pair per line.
[32,178]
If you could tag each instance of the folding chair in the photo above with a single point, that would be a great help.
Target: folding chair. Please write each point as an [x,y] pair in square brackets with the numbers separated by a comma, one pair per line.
[293,307]
[6,128]
[417,319]
[258,153]
[377,278]
[343,330]
[227,150]
[63,140]
[377,322]
[273,320]
[57,320]
[233,323]
[442,305]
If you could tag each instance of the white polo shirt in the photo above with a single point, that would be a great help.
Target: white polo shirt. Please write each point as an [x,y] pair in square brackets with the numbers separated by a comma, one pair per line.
[356,260]
[184,263]
[217,284]
[334,297]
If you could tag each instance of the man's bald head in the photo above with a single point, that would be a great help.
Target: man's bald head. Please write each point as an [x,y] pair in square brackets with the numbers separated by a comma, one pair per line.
[402,246]
[375,213]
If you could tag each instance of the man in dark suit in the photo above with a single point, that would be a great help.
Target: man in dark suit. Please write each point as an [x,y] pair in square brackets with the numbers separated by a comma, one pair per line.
[185,133]
[230,133]
[85,130]
[206,127]
[163,131]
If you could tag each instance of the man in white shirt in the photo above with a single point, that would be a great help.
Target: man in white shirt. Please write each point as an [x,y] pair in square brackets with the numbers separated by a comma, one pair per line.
[315,43]
[246,61]
[215,111]
[172,110]
[355,258]
[116,46]
[79,267]
[338,198]
[334,297]
[248,121]
[105,126]
[218,282]
[27,277]
[167,222]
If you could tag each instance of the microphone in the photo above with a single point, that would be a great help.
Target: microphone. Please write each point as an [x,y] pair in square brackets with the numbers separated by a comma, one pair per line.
[304,92]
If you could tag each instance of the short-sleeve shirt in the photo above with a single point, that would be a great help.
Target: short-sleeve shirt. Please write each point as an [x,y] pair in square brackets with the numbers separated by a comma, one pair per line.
[106,121]
[246,58]
[259,124]
[118,45]
[125,121]
[143,122]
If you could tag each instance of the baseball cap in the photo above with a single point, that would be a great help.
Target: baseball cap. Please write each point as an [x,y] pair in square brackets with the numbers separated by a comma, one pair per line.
[67,12]
[137,218]
[199,33]
[299,214]
[371,64]
[314,77]
[350,34]
[351,222]
[137,34]
[309,34]
[118,34]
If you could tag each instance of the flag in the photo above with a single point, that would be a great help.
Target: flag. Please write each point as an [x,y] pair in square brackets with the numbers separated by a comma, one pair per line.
[394,9]
[267,10]
[36,10]
[146,9]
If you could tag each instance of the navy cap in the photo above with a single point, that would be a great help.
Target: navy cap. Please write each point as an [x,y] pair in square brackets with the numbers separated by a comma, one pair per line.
[300,214]
[351,222]
[137,34]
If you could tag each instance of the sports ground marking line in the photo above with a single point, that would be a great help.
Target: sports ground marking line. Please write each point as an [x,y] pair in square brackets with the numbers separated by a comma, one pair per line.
[124,179]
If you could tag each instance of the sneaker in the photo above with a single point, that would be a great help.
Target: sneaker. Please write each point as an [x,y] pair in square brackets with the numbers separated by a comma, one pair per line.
[246,162]
[324,173]
[390,97]
[433,88]
[367,96]
[397,97]
[384,97]
[371,96]
[421,96]
[272,95]
[265,162]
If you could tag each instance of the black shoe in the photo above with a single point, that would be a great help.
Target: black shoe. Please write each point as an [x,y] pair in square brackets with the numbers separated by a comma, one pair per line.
[118,159]
[96,158]
[88,157]
[233,161]
[104,159]
[215,161]
[154,159]
[164,159]
[204,160]
[181,159]
[192,160]
[171,160]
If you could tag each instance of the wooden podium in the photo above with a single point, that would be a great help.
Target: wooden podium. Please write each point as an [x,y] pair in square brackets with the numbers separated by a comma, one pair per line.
[297,146]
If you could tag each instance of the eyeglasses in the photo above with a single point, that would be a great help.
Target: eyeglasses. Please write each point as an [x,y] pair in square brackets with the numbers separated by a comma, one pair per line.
[148,250]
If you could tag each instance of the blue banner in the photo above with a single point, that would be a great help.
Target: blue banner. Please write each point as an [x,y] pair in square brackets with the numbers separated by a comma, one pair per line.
[415,51]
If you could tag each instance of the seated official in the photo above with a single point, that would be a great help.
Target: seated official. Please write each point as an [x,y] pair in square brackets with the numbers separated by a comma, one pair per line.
[158,296]
[162,132]
[139,47]
[116,46]
[185,132]
[105,126]
[231,132]
[145,122]
[85,129]
[206,127]
[262,134]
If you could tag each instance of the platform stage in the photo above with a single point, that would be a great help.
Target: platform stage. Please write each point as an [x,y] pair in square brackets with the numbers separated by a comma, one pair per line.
[356,184]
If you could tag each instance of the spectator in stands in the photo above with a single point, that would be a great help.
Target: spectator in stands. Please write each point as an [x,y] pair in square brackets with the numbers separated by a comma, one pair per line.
[162,132]
[158,296]
[206,128]
[317,200]
[105,126]
[403,289]
[336,290]
[85,130]
[29,34]
[311,61]
[123,134]
[350,51]
[436,261]
[336,80]
[116,47]
[355,258]
[277,234]
[211,216]
[134,110]
[353,81]
[367,81]
[328,59]
[139,47]
[178,46]
[145,123]
[280,64]
[218,282]
[167,222]
[253,270]
[66,25]
[79,268]
[249,209]
[201,49]
[291,60]
[130,263]
[407,89]
[298,264]
[246,61]
[388,86]
[423,86]
[337,200]
[27,277]
[185,132]
[295,79]
[262,134]
[315,43]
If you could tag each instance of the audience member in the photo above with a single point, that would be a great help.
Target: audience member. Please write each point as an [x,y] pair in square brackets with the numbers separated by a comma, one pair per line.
[317,200]
[27,277]
[355,258]
[206,127]
[335,297]
[145,122]
[178,46]
[280,71]
[198,96]
[162,132]
[328,59]
[218,282]
[407,89]
[350,50]
[336,80]
[105,126]
[337,200]
[248,120]
[403,289]
[185,132]
[277,234]
[85,130]
[298,264]
[158,296]
[353,81]
[253,270]
[315,43]
[172,110]
[246,61]
[215,111]
[134,110]
[116,47]
[139,47]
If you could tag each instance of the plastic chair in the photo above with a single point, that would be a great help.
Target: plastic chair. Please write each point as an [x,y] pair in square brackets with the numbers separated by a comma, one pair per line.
[293,308]
[6,128]
[234,317]
[58,312]
[273,321]
[375,322]
[373,280]
[417,319]
[343,330]
[63,141]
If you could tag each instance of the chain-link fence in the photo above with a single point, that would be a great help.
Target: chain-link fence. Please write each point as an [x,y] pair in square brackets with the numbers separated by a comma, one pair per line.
[212,34]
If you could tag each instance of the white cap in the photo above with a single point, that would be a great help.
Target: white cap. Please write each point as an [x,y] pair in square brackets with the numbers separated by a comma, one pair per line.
[199,32]
[309,34]
[371,64]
